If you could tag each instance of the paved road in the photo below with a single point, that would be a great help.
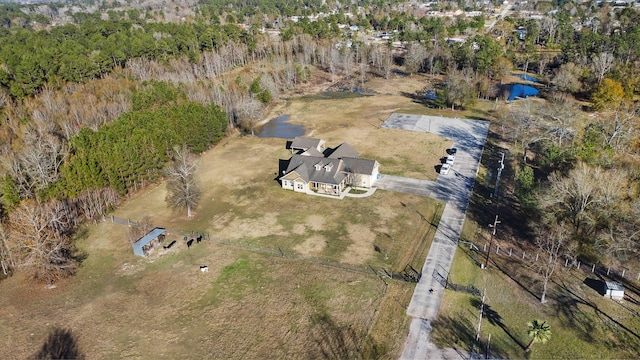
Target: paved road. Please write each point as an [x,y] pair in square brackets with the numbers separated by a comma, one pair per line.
[506,9]
[454,188]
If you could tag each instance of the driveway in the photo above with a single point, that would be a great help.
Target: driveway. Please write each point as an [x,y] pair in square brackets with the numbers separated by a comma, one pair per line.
[455,189]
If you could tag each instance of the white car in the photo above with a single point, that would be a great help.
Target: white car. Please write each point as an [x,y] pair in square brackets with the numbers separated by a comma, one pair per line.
[444,170]
[450,159]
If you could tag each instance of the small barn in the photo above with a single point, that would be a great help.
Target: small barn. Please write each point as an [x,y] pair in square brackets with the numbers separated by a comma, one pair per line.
[613,290]
[142,246]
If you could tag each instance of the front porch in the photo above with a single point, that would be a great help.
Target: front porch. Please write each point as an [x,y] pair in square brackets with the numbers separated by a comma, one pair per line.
[326,189]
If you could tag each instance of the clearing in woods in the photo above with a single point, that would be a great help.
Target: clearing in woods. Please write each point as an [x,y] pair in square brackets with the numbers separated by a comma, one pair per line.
[252,304]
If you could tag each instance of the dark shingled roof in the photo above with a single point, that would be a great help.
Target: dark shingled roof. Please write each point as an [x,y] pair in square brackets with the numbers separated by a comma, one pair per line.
[303,143]
[343,150]
[312,152]
[359,166]
[306,167]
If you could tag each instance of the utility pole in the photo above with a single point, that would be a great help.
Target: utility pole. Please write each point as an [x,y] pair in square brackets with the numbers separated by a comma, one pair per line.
[484,292]
[495,188]
[493,233]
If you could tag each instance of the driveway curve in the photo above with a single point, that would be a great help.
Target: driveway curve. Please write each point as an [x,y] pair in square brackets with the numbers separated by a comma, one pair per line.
[455,189]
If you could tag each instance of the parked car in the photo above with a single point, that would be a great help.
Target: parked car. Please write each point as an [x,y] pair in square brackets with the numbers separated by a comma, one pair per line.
[444,170]
[450,160]
[452,151]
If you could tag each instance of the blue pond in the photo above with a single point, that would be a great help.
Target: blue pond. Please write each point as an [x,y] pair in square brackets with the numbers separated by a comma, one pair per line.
[430,95]
[526,77]
[280,128]
[516,91]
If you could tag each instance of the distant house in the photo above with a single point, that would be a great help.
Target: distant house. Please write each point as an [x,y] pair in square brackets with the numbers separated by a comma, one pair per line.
[142,246]
[314,169]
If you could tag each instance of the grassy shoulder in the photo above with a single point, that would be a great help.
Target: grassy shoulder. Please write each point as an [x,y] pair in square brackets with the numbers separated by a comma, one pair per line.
[583,323]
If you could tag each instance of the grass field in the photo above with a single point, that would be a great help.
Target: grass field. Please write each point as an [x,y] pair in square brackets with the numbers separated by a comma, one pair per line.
[584,324]
[320,300]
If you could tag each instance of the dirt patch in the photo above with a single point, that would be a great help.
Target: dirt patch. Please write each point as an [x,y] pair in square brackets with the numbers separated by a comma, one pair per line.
[251,228]
[312,246]
[315,222]
[299,229]
[361,248]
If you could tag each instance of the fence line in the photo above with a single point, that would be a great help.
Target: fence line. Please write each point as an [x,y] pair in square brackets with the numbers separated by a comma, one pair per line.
[265,250]
[535,257]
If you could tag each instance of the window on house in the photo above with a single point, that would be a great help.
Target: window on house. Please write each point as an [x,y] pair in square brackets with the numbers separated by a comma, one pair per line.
[300,187]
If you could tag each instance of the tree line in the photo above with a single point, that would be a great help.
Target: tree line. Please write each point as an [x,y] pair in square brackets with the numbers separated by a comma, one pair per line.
[80,53]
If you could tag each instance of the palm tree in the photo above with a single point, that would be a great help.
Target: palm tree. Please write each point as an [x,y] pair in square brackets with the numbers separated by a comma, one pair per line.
[539,331]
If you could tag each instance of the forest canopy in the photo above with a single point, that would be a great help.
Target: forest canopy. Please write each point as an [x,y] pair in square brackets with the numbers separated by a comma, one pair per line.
[136,146]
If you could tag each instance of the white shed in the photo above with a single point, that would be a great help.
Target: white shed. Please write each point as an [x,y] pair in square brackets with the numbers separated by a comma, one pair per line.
[614,290]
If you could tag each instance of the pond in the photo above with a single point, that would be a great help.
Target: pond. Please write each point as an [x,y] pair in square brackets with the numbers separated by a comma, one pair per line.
[520,91]
[527,77]
[281,128]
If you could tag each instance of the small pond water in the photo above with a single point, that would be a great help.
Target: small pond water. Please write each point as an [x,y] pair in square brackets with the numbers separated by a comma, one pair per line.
[527,77]
[281,128]
[521,91]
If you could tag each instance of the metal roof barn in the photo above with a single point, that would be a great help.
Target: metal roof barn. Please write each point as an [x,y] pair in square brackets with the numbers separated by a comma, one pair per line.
[151,235]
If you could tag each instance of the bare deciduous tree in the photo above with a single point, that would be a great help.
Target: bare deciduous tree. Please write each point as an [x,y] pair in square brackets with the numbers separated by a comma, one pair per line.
[551,240]
[572,197]
[618,127]
[183,192]
[460,89]
[526,128]
[6,259]
[601,64]
[39,236]
[567,78]
[415,57]
[560,115]
[140,229]
[42,157]
[621,237]
[94,203]
[587,196]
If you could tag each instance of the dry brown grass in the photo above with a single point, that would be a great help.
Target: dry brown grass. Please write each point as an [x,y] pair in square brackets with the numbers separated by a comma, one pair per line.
[250,304]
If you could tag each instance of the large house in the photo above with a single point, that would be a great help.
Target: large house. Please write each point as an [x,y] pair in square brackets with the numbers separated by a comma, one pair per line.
[316,169]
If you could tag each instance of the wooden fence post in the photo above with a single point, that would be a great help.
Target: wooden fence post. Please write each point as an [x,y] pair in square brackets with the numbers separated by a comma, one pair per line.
[484,248]
[578,265]
[638,279]
[498,249]
[608,269]
[537,257]
[623,270]
[523,254]
[510,250]
[593,267]
[566,262]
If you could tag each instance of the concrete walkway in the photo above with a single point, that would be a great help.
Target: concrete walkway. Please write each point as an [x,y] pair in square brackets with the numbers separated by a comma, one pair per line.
[454,188]
[346,193]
